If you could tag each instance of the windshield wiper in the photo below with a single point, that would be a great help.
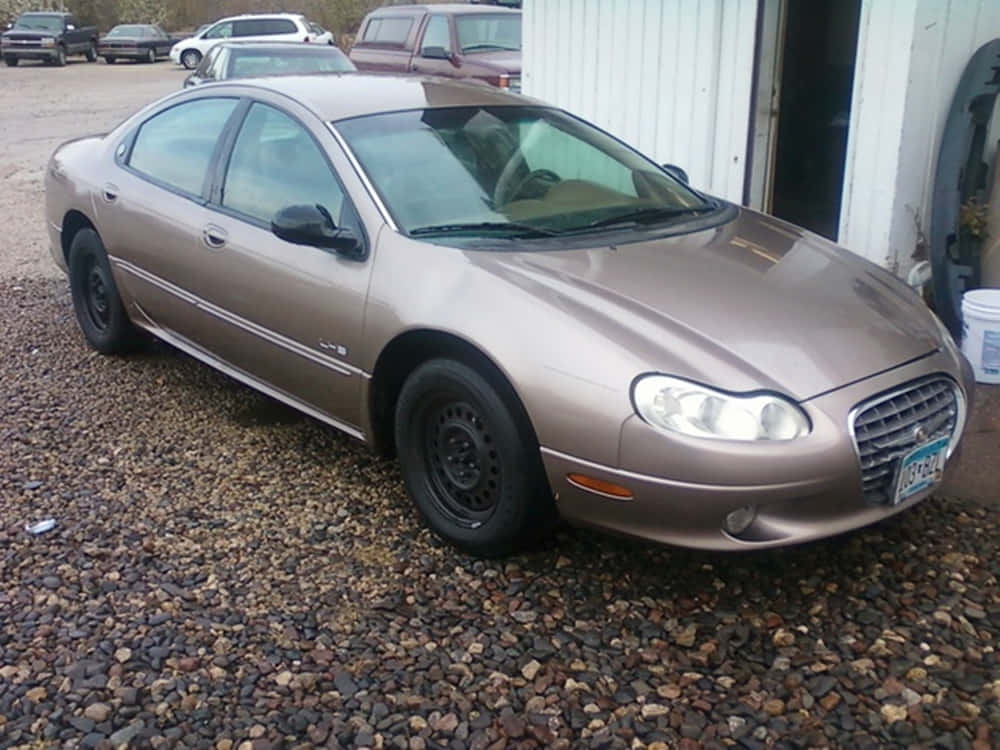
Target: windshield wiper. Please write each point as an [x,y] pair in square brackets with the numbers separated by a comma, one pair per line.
[648,215]
[484,45]
[513,228]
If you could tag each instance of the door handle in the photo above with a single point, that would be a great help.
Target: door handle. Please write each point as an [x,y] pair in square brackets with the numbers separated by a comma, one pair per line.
[214,237]
[109,193]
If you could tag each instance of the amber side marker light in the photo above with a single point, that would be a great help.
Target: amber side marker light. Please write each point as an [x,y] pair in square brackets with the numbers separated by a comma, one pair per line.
[599,486]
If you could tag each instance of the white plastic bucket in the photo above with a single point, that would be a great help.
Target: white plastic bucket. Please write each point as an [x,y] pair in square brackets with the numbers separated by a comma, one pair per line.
[981,333]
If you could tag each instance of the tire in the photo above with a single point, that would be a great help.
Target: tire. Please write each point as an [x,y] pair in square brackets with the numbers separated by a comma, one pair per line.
[190,58]
[470,460]
[60,59]
[96,302]
[11,62]
[92,53]
[151,55]
[110,59]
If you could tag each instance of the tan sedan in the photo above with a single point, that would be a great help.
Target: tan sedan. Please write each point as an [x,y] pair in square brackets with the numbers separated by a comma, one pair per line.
[536,318]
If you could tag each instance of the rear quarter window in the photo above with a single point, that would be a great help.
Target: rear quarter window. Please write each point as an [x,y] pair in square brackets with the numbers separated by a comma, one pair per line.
[392,30]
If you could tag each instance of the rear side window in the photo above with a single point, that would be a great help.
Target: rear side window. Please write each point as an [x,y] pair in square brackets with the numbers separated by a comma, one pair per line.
[388,30]
[175,146]
[264,27]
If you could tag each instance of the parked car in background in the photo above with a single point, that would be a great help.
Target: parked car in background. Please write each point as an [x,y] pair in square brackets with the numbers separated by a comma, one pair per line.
[276,27]
[146,42]
[535,317]
[453,40]
[254,59]
[51,37]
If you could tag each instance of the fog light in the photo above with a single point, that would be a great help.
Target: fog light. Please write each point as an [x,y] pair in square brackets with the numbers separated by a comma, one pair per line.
[740,519]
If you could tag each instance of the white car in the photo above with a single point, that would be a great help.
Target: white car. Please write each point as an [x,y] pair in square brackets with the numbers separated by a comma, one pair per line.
[277,27]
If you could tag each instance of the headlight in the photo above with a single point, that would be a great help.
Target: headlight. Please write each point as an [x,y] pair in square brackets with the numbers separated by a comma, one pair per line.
[48,41]
[676,405]
[945,334]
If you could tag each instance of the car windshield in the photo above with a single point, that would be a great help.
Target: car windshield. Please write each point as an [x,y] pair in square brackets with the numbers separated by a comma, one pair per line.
[127,31]
[482,32]
[511,171]
[252,63]
[39,23]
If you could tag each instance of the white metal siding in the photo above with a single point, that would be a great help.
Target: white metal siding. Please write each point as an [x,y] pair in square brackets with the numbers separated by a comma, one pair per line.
[672,77]
[911,54]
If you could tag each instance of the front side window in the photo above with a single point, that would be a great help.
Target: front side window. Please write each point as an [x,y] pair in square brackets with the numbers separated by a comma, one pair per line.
[175,146]
[276,163]
[220,31]
[438,34]
[482,32]
[495,169]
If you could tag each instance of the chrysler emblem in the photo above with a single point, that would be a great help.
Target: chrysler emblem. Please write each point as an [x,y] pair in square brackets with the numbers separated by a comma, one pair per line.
[920,434]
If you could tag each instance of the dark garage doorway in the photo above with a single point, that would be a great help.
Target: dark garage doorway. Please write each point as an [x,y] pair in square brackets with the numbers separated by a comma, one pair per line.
[808,109]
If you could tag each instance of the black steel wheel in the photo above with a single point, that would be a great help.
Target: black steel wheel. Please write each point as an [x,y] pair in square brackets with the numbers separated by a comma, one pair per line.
[470,459]
[60,58]
[109,59]
[92,52]
[96,302]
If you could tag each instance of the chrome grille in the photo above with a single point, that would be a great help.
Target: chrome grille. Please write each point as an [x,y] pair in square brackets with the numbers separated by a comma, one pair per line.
[886,429]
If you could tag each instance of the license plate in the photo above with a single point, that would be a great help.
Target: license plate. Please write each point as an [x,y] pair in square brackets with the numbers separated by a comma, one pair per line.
[921,468]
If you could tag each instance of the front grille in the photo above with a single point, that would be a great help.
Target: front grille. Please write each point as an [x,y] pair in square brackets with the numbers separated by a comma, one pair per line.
[885,430]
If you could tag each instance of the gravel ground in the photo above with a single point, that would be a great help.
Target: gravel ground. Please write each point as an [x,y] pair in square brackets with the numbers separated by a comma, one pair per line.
[226,573]
[43,106]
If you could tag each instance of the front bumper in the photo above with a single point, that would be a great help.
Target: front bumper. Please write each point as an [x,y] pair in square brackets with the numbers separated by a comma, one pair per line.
[130,52]
[29,53]
[804,490]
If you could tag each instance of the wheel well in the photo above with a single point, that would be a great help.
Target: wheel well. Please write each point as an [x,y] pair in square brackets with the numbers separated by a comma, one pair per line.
[72,223]
[406,353]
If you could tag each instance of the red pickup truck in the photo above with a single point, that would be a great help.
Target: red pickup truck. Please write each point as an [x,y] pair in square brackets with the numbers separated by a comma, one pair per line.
[454,40]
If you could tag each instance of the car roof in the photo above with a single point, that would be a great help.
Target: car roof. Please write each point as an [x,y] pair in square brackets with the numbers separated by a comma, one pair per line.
[453,8]
[334,96]
[242,16]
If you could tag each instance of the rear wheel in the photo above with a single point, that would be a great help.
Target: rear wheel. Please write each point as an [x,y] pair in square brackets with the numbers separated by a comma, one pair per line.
[109,59]
[92,53]
[151,55]
[190,58]
[96,302]
[11,62]
[470,460]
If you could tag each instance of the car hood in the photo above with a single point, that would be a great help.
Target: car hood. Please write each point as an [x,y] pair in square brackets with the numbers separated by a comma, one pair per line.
[503,61]
[752,304]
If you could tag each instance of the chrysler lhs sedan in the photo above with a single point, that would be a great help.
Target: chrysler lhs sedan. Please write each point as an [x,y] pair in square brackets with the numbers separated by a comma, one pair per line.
[535,318]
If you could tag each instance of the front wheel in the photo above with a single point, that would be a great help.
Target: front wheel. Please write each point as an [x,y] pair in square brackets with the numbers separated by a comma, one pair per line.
[60,59]
[151,56]
[109,59]
[470,460]
[11,62]
[190,58]
[92,53]
[96,302]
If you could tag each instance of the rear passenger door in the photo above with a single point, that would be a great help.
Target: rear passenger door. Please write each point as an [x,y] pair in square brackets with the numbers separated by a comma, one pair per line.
[152,212]
[289,315]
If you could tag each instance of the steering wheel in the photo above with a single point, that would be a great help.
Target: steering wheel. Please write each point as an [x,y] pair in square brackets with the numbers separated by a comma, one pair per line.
[507,189]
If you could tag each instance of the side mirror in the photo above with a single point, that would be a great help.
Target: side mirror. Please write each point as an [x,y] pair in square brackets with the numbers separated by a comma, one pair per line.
[676,172]
[435,53]
[70,27]
[313,226]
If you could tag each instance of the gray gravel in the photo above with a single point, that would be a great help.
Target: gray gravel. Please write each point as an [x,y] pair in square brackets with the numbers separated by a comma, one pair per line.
[228,574]
[42,106]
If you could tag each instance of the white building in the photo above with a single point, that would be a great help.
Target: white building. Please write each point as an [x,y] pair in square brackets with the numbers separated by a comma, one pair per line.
[825,112]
